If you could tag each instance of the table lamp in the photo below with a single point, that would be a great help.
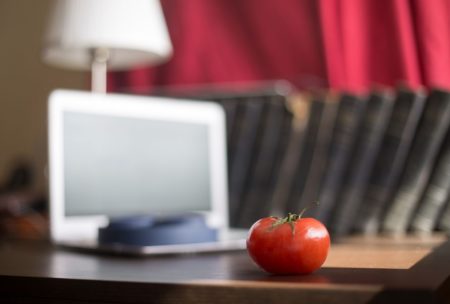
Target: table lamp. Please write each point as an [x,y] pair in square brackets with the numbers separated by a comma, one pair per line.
[99,34]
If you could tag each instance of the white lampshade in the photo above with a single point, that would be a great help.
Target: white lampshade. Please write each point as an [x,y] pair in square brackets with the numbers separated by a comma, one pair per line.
[134,32]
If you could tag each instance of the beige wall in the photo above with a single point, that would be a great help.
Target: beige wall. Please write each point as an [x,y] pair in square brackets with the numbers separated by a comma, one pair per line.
[25,83]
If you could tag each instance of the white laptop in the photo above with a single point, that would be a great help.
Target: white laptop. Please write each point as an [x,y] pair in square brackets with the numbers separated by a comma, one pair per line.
[113,155]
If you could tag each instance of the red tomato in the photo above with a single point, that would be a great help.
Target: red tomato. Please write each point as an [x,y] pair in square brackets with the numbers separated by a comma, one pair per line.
[292,245]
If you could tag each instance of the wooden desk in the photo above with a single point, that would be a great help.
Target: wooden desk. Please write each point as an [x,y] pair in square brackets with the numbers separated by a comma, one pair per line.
[372,270]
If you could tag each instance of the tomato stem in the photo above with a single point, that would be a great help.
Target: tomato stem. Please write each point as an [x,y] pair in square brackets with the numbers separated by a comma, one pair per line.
[291,218]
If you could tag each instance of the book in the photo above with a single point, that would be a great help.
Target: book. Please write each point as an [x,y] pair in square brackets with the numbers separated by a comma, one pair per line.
[348,121]
[321,153]
[444,219]
[429,137]
[243,150]
[355,180]
[282,150]
[389,163]
[299,106]
[234,129]
[230,105]
[436,194]
[256,201]
[303,167]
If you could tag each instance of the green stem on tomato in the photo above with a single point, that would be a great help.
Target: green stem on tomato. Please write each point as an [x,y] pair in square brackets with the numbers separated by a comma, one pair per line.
[291,218]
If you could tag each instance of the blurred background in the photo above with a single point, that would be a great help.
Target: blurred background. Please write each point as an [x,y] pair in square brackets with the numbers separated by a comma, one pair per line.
[235,52]
[25,85]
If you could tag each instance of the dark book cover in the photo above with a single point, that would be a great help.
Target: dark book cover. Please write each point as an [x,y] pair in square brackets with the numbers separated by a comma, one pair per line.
[293,200]
[348,121]
[234,129]
[321,153]
[282,150]
[299,107]
[256,202]
[230,105]
[355,181]
[389,164]
[241,159]
[444,218]
[430,135]
[436,194]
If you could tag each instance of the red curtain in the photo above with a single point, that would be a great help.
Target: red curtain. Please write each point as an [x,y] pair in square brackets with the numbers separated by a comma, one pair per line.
[347,45]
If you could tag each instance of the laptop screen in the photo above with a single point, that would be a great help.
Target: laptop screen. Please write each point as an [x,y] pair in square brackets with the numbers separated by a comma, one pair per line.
[119,166]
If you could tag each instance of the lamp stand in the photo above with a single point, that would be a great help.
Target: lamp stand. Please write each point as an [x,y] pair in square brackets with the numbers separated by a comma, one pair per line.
[100,57]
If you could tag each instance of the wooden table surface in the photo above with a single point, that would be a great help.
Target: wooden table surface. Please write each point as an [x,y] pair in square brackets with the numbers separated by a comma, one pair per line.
[358,270]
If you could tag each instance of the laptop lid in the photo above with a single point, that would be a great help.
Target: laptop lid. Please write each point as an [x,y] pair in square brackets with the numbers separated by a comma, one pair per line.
[113,155]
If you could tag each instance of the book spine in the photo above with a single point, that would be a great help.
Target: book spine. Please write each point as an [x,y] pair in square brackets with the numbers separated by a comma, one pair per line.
[430,135]
[303,167]
[280,156]
[436,193]
[408,107]
[234,131]
[321,153]
[256,203]
[231,110]
[348,121]
[299,106]
[243,155]
[444,221]
[375,118]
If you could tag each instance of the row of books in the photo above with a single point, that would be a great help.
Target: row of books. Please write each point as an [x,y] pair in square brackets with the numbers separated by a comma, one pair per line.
[376,163]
